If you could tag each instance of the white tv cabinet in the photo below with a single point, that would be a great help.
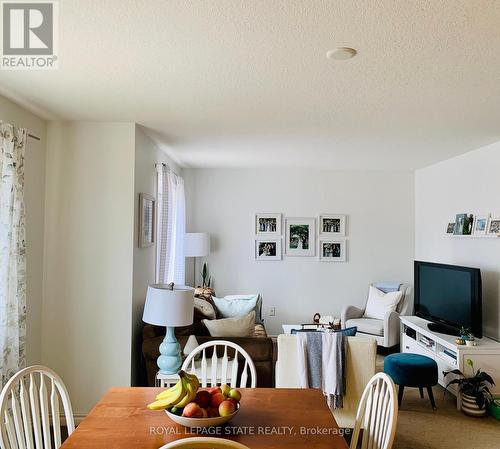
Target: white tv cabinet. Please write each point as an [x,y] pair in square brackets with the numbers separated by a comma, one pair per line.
[448,355]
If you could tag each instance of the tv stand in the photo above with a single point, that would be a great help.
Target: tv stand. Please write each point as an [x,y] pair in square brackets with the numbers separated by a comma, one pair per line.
[443,329]
[419,337]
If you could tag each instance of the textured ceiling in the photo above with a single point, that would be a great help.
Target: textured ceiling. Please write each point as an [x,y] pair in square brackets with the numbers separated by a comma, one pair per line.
[246,83]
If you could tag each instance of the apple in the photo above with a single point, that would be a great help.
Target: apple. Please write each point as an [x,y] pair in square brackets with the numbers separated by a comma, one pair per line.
[214,390]
[216,399]
[205,413]
[234,401]
[192,410]
[235,394]
[227,408]
[213,412]
[225,389]
[203,398]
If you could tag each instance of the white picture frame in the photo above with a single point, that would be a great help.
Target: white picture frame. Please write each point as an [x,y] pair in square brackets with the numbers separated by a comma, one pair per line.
[268,249]
[332,225]
[493,226]
[147,218]
[332,250]
[268,224]
[480,225]
[300,237]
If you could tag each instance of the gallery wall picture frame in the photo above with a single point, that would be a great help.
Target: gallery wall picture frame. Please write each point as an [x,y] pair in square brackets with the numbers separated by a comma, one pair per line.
[460,224]
[450,228]
[332,225]
[268,249]
[493,226]
[268,224]
[480,226]
[332,250]
[300,236]
[147,218]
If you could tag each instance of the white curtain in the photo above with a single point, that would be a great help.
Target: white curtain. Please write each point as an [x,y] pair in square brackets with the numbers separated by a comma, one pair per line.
[12,252]
[171,225]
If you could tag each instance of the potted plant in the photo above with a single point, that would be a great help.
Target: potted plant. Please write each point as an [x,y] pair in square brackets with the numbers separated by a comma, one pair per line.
[205,291]
[494,408]
[474,390]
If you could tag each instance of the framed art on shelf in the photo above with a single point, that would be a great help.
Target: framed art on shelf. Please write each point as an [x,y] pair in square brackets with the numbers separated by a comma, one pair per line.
[332,225]
[480,224]
[493,227]
[268,249]
[267,224]
[146,220]
[332,250]
[450,228]
[300,237]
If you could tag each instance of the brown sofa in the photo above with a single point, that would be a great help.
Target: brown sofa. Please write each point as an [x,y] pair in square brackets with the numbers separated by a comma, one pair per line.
[259,347]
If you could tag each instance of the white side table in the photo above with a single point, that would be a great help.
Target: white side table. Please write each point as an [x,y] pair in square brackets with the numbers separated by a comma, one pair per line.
[169,380]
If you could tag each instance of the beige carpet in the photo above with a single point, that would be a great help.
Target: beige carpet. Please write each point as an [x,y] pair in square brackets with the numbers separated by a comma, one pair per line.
[421,428]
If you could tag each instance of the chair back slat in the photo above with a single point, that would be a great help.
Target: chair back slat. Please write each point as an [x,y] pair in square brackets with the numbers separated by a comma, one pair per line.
[30,416]
[377,414]
[56,422]
[224,368]
[26,414]
[220,367]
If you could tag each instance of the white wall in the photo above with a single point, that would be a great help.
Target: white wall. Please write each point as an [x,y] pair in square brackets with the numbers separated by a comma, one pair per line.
[380,206]
[89,233]
[466,184]
[34,197]
[147,154]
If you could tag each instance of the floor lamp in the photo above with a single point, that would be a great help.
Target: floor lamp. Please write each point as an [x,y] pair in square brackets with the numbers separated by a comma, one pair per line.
[196,244]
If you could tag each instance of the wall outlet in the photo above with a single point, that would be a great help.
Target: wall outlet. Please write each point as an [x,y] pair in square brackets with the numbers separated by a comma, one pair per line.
[272,311]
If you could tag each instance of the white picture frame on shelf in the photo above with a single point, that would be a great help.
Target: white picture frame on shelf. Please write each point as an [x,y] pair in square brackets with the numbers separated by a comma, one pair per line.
[268,249]
[493,227]
[332,225]
[268,224]
[332,250]
[480,226]
[300,237]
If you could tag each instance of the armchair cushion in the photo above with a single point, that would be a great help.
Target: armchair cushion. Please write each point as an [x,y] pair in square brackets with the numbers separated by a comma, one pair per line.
[367,325]
[379,303]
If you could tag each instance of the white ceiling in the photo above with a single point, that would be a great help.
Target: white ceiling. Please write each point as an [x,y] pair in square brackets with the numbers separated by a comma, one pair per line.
[233,83]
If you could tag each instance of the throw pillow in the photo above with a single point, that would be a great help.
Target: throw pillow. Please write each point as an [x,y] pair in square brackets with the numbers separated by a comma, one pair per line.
[242,326]
[204,308]
[379,303]
[234,306]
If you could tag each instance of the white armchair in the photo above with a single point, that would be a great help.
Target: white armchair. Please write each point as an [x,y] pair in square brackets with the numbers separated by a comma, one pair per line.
[385,331]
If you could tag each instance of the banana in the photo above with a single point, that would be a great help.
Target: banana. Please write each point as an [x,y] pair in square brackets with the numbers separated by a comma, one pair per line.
[181,394]
[175,392]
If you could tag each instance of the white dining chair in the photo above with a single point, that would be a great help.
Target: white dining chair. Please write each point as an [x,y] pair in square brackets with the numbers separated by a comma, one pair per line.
[214,371]
[377,414]
[29,407]
[204,443]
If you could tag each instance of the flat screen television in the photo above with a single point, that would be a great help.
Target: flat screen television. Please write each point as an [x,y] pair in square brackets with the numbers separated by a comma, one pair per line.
[450,296]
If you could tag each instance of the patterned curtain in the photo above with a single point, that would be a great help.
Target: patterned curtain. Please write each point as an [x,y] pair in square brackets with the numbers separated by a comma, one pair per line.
[12,252]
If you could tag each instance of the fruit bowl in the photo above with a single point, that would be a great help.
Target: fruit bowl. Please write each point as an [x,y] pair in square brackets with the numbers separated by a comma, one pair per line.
[201,422]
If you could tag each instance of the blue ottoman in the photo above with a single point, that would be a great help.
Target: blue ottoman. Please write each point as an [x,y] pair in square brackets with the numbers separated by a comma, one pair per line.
[412,370]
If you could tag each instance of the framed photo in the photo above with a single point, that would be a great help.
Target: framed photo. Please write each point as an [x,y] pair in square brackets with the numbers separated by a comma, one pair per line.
[268,224]
[300,237]
[480,224]
[332,225]
[493,226]
[460,223]
[332,250]
[268,249]
[146,220]
[450,228]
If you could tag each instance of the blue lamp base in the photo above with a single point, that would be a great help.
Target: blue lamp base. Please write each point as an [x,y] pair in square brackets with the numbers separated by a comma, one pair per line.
[170,360]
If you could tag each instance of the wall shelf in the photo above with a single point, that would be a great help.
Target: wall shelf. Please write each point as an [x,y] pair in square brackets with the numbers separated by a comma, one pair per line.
[473,236]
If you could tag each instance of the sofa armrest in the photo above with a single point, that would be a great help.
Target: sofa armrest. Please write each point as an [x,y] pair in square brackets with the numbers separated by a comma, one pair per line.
[349,313]
[391,329]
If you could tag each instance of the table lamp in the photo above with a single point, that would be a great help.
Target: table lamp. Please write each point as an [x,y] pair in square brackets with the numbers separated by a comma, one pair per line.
[196,244]
[170,306]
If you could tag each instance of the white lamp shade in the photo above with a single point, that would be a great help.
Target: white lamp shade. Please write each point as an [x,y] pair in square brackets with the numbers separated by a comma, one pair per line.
[197,244]
[165,307]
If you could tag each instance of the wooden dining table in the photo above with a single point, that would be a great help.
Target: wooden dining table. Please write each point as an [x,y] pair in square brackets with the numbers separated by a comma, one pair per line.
[271,418]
